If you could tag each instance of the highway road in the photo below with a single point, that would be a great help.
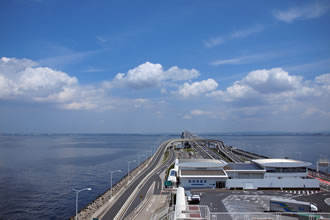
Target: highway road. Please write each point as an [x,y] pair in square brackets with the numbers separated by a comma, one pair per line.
[112,212]
[154,178]
[207,153]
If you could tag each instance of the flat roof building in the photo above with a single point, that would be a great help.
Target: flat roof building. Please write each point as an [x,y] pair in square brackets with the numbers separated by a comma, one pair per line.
[256,174]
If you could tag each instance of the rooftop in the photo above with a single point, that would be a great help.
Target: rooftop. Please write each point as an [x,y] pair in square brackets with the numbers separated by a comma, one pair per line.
[281,163]
[243,166]
[205,163]
[203,173]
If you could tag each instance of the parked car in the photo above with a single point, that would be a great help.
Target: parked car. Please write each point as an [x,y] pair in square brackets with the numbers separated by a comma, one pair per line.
[195,199]
[189,195]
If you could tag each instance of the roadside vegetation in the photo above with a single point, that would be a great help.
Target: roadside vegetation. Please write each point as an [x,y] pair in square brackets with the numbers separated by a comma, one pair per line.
[166,155]
[223,156]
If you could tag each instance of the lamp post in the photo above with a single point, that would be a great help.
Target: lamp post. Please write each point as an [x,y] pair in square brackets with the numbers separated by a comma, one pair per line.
[139,158]
[133,161]
[112,172]
[147,153]
[77,192]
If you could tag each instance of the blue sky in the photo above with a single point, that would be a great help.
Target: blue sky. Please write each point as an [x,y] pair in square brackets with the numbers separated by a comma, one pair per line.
[164,66]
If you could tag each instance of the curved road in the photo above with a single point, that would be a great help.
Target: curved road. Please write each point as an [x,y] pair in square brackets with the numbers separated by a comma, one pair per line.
[154,178]
[112,212]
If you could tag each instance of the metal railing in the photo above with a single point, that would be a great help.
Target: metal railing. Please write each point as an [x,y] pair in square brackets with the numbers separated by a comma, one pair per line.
[202,212]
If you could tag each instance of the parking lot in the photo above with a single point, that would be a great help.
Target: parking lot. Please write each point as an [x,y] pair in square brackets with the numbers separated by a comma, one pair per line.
[254,202]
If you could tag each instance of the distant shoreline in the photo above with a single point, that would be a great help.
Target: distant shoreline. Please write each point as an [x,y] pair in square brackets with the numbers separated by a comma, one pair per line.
[175,135]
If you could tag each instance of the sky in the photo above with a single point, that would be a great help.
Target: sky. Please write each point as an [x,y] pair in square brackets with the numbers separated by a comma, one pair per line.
[164,66]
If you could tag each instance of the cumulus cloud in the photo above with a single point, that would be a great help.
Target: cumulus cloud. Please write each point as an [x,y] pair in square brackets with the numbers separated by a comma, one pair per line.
[150,75]
[309,11]
[197,88]
[323,79]
[266,84]
[24,79]
[272,81]
[273,91]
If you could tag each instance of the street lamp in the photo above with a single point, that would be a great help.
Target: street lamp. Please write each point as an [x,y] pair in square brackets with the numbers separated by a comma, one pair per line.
[111,172]
[77,192]
[147,153]
[133,161]
[139,158]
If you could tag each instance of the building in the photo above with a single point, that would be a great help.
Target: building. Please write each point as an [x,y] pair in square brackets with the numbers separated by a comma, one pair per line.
[257,174]
[202,173]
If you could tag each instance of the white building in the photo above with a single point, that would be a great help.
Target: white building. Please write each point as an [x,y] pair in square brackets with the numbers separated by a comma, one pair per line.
[202,173]
[258,174]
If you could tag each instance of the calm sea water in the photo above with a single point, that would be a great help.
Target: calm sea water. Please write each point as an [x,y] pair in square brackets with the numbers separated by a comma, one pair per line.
[38,172]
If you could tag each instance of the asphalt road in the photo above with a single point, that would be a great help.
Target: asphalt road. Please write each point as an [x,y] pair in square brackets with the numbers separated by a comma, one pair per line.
[154,178]
[112,212]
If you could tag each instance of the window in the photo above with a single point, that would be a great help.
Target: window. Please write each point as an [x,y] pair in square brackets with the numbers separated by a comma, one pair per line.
[193,181]
[204,181]
[197,181]
[189,181]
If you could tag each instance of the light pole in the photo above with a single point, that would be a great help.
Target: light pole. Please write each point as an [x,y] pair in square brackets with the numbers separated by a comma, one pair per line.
[111,172]
[77,192]
[147,153]
[139,158]
[133,161]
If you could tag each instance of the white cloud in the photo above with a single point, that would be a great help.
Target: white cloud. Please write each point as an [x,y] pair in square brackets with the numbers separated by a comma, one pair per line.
[246,32]
[139,102]
[24,79]
[309,11]
[66,57]
[215,41]
[197,88]
[163,91]
[323,79]
[187,117]
[272,81]
[245,59]
[227,61]
[260,83]
[149,75]
[275,91]
[198,112]
[101,39]
[91,69]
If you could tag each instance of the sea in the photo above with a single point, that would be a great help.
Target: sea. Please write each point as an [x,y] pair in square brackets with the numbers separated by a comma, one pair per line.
[39,171]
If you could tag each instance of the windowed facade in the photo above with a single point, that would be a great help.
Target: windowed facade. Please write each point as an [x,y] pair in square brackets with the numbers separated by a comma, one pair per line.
[286,170]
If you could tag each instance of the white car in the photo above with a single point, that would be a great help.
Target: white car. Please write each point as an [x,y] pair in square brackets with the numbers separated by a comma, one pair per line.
[195,199]
[189,196]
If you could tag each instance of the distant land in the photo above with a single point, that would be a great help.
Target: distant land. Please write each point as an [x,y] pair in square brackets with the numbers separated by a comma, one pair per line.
[238,133]
[270,133]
